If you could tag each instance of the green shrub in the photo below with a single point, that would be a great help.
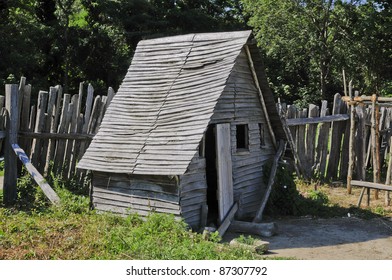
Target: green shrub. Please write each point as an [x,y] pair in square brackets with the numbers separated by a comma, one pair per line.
[284,195]
[286,200]
[29,196]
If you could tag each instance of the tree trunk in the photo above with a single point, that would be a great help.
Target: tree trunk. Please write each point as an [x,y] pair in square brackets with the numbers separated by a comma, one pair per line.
[323,79]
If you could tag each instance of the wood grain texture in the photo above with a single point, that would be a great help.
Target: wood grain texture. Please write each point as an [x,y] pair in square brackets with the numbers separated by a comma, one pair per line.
[317,120]
[39,127]
[224,170]
[135,193]
[336,139]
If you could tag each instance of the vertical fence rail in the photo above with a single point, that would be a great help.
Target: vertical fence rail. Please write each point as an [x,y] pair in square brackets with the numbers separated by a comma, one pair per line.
[10,159]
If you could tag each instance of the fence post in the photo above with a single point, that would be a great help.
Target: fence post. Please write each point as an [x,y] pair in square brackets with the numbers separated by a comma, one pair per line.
[375,143]
[10,159]
[351,150]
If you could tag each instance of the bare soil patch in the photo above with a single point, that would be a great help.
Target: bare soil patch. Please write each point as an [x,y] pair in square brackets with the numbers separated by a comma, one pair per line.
[357,234]
[341,238]
[336,238]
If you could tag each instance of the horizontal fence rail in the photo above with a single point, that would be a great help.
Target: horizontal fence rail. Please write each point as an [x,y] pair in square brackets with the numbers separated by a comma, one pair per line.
[319,137]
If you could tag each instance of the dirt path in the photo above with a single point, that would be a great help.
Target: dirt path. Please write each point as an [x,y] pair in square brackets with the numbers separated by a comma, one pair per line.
[337,238]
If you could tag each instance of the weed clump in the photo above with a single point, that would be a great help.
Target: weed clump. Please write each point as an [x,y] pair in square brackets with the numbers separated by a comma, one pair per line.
[165,237]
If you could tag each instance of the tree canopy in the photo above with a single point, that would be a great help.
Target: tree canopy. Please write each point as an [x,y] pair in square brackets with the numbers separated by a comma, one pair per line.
[306,44]
[69,41]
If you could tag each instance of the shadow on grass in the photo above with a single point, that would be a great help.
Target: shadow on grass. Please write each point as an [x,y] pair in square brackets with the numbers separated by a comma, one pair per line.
[289,202]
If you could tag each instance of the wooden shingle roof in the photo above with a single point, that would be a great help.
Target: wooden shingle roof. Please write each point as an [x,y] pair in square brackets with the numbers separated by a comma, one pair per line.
[160,112]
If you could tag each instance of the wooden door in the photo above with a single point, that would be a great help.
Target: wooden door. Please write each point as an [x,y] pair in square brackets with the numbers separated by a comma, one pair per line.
[224,169]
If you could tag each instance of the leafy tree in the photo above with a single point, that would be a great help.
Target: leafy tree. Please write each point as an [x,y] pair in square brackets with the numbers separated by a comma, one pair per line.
[298,37]
[20,33]
[307,43]
[366,45]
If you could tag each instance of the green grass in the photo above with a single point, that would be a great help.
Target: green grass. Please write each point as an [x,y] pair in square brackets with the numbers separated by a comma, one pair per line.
[72,231]
[35,230]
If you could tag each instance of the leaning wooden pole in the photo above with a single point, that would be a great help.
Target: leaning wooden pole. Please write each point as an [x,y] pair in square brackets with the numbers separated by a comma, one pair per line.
[259,214]
[256,81]
[45,187]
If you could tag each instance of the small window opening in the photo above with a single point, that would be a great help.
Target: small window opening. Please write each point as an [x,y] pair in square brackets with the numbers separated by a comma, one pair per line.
[242,137]
[262,135]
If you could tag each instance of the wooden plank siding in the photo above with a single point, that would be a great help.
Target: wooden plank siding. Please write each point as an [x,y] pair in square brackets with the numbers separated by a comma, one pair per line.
[125,194]
[239,104]
[193,184]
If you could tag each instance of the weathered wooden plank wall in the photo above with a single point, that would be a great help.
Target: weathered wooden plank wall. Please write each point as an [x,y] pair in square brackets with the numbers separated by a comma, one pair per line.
[56,128]
[320,143]
[324,147]
[121,193]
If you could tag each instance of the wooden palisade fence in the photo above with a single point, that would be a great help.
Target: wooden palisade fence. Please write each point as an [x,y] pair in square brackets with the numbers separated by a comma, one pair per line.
[53,131]
[320,138]
[344,145]
[370,144]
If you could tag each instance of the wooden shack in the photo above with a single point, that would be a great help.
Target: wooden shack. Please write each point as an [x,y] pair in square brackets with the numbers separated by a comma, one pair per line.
[192,125]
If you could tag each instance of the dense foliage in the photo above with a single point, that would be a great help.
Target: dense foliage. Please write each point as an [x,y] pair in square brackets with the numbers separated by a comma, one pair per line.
[69,41]
[306,43]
